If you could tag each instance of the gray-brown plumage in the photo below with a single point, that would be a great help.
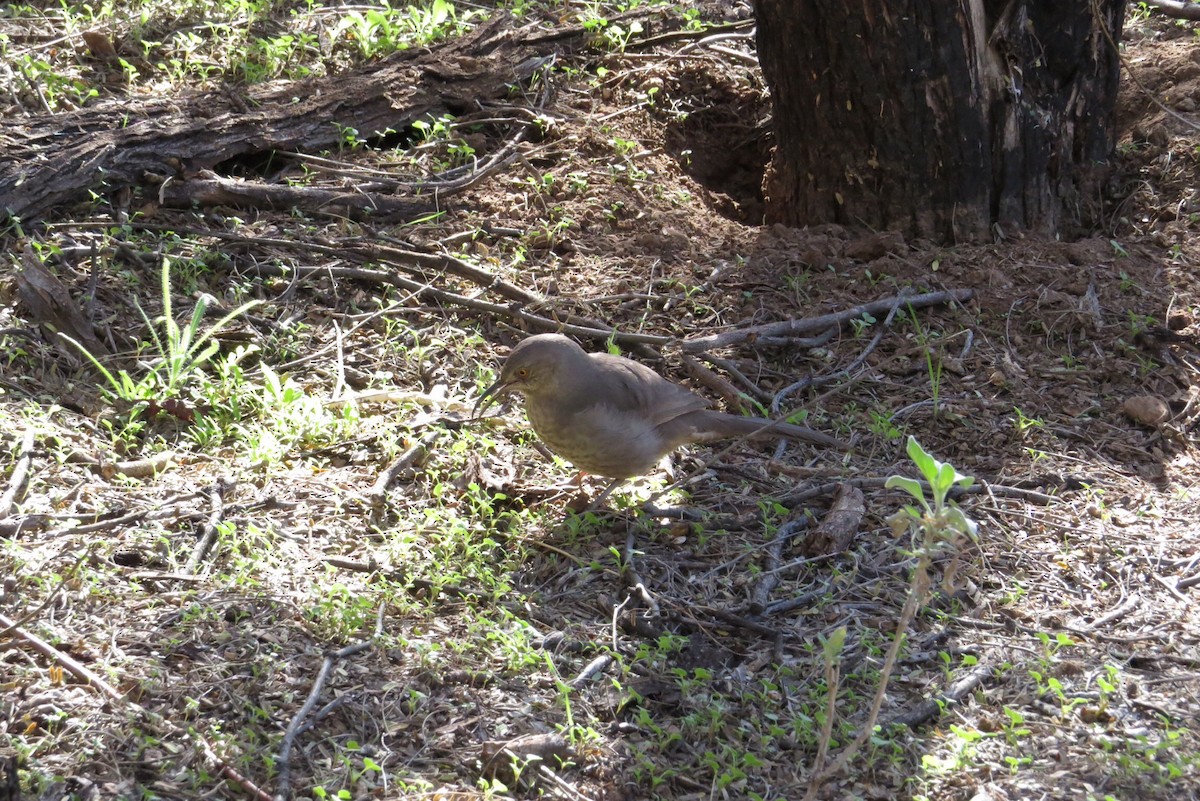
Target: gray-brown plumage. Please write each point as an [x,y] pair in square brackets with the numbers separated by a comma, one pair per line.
[612,416]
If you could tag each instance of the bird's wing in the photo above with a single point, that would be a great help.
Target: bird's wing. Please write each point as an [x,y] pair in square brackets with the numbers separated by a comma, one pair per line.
[635,387]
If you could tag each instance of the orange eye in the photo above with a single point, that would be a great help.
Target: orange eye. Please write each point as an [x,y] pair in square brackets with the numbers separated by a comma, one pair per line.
[522,373]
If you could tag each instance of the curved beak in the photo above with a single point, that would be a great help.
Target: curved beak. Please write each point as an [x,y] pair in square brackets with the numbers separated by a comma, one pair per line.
[490,395]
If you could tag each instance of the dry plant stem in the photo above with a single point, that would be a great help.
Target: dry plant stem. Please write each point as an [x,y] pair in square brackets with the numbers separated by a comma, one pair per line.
[583,329]
[716,457]
[208,533]
[69,663]
[283,762]
[450,264]
[20,472]
[1188,582]
[809,325]
[401,576]
[88,677]
[1129,604]
[729,367]
[685,36]
[360,252]
[30,615]
[810,380]
[745,58]
[769,580]
[746,555]
[362,322]
[561,785]
[339,382]
[136,468]
[440,189]
[832,679]
[916,593]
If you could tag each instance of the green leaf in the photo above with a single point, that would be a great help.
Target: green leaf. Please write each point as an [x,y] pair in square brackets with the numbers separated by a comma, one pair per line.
[925,463]
[909,485]
[834,644]
[957,519]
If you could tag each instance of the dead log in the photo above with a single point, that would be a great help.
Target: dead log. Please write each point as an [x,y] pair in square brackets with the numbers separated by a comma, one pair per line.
[1178,9]
[50,160]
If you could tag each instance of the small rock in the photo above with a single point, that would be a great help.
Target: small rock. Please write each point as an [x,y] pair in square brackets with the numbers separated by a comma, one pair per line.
[1147,410]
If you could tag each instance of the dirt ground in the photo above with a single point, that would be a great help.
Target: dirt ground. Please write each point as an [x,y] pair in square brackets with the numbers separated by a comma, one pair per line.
[1073,616]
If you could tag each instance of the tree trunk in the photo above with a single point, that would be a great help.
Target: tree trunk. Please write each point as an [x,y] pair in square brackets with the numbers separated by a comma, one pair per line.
[939,119]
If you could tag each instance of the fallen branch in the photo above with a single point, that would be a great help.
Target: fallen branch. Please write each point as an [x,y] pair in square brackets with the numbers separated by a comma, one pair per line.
[19,474]
[812,325]
[591,670]
[210,189]
[979,488]
[734,399]
[738,621]
[117,522]
[375,179]
[136,468]
[208,533]
[427,290]
[52,159]
[928,710]
[804,599]
[1176,9]
[283,763]
[442,262]
[768,580]
[639,606]
[413,456]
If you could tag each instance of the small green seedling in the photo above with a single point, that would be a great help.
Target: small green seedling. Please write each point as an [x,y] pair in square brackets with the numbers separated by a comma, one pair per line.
[937,514]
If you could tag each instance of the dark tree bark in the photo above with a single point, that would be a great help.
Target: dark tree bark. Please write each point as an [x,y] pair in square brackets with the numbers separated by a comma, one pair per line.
[940,119]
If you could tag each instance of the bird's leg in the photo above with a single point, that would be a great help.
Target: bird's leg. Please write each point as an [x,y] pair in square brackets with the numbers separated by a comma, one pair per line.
[580,502]
[594,505]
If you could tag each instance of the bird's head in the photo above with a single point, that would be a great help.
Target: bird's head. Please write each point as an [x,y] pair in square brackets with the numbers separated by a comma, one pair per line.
[538,364]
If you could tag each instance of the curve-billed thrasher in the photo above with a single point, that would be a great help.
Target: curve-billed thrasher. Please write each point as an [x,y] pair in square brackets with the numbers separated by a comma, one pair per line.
[614,417]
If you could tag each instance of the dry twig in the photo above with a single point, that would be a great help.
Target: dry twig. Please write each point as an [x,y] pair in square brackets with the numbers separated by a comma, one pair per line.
[283,762]
[19,474]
